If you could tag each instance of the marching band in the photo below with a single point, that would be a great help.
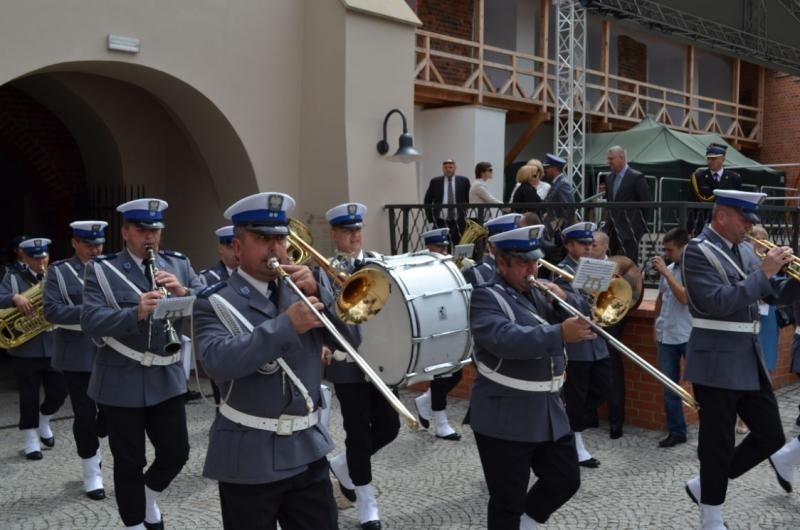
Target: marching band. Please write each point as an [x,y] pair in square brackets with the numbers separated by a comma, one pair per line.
[268,331]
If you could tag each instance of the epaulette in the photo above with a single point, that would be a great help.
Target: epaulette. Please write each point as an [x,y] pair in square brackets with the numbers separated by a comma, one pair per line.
[103,257]
[172,253]
[208,291]
[59,262]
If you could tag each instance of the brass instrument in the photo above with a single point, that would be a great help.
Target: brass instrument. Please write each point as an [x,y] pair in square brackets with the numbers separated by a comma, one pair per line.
[791,269]
[472,233]
[15,328]
[685,396]
[296,255]
[609,306]
[172,342]
[362,294]
[393,400]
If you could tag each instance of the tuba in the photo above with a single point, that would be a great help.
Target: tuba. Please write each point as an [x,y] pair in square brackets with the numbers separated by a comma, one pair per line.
[472,233]
[15,328]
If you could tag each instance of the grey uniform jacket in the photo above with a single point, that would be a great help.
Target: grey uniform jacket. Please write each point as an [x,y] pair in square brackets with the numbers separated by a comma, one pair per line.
[588,350]
[217,273]
[727,359]
[241,454]
[523,349]
[560,191]
[73,350]
[42,344]
[118,380]
[345,371]
[795,363]
[482,273]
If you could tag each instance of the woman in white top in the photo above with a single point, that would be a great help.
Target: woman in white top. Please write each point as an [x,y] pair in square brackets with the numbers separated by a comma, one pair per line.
[478,192]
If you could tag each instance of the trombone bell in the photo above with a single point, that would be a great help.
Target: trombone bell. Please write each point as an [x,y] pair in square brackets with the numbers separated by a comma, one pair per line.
[362,296]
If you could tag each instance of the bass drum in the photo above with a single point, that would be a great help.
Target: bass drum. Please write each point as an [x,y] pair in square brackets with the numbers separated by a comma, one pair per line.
[423,329]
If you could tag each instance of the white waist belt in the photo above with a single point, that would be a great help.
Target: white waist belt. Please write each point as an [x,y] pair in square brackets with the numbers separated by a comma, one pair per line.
[721,325]
[283,426]
[145,359]
[553,385]
[71,327]
[797,329]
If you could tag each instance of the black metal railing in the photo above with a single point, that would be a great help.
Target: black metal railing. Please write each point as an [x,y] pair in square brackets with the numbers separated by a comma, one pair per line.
[644,222]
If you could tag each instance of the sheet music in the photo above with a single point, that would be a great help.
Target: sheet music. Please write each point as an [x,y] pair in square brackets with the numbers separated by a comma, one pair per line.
[463,251]
[176,307]
[593,274]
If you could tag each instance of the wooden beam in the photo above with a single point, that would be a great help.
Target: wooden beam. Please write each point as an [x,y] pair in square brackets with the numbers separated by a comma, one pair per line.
[535,122]
[736,78]
[689,77]
[481,29]
[544,27]
[605,51]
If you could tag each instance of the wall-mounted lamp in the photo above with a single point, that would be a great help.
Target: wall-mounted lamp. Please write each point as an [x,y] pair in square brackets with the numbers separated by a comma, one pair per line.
[405,152]
[121,43]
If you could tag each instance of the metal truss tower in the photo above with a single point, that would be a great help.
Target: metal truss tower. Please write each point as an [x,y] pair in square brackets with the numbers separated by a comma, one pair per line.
[570,104]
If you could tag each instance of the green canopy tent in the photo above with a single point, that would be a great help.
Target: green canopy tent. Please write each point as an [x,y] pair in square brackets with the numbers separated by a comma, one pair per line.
[655,149]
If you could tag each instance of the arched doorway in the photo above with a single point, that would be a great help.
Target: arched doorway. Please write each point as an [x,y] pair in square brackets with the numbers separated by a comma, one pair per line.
[76,139]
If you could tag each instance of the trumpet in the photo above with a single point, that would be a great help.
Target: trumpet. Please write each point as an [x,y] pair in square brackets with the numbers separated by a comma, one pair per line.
[685,396]
[361,294]
[791,269]
[172,343]
[609,306]
[393,400]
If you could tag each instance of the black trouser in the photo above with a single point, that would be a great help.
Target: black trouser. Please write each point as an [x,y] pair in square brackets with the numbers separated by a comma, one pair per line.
[89,422]
[440,387]
[586,387]
[720,458]
[507,467]
[32,375]
[165,426]
[369,424]
[616,391]
[299,502]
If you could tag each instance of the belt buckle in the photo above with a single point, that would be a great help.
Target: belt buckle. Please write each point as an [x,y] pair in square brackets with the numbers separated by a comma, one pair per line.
[756,327]
[147,359]
[554,384]
[285,426]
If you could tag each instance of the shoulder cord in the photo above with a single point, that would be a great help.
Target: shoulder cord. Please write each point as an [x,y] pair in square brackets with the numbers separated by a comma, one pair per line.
[62,286]
[229,315]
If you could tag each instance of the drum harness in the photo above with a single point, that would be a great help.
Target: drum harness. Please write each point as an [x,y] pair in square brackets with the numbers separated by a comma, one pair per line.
[286,424]
[552,386]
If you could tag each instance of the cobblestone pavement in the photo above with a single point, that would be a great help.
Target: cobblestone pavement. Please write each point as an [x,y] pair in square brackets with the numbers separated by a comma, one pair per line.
[423,482]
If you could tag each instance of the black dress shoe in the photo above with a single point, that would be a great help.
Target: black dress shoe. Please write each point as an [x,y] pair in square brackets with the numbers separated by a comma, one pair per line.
[49,442]
[422,421]
[797,421]
[349,494]
[452,436]
[192,395]
[615,433]
[672,440]
[155,526]
[590,462]
[34,455]
[691,495]
[96,495]
[787,486]
[371,525]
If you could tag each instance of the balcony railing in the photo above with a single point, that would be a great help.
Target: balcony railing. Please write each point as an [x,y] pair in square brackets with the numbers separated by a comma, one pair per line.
[450,69]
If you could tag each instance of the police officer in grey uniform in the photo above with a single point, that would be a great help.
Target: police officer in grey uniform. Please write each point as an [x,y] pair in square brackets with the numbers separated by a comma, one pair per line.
[484,271]
[74,351]
[516,412]
[262,344]
[724,280]
[227,260]
[139,385]
[369,421]
[31,360]
[589,369]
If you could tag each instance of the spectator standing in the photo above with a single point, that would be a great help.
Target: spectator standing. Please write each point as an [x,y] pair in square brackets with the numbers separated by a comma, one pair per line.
[478,192]
[449,189]
[625,227]
[560,191]
[544,187]
[672,329]
[528,177]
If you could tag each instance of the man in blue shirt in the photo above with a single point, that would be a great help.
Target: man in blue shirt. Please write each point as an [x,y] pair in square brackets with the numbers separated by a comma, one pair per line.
[673,326]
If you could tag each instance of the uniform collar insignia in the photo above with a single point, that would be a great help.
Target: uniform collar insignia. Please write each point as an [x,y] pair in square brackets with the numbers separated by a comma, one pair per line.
[126,265]
[245,290]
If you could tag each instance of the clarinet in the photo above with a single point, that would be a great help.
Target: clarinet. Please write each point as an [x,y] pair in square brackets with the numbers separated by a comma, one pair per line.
[172,343]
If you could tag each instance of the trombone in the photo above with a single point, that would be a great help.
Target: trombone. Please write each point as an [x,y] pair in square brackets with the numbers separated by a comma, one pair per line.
[685,396]
[362,294]
[393,400]
[791,269]
[609,306]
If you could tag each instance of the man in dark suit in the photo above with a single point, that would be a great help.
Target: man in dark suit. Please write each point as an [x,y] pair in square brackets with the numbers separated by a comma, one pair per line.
[448,188]
[624,184]
[707,179]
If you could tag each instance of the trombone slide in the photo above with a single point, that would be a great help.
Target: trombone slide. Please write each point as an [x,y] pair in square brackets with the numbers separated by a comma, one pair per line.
[393,400]
[685,396]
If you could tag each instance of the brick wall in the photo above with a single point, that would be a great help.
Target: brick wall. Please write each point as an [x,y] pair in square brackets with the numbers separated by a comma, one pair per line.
[53,166]
[631,63]
[781,126]
[454,18]
[644,395]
